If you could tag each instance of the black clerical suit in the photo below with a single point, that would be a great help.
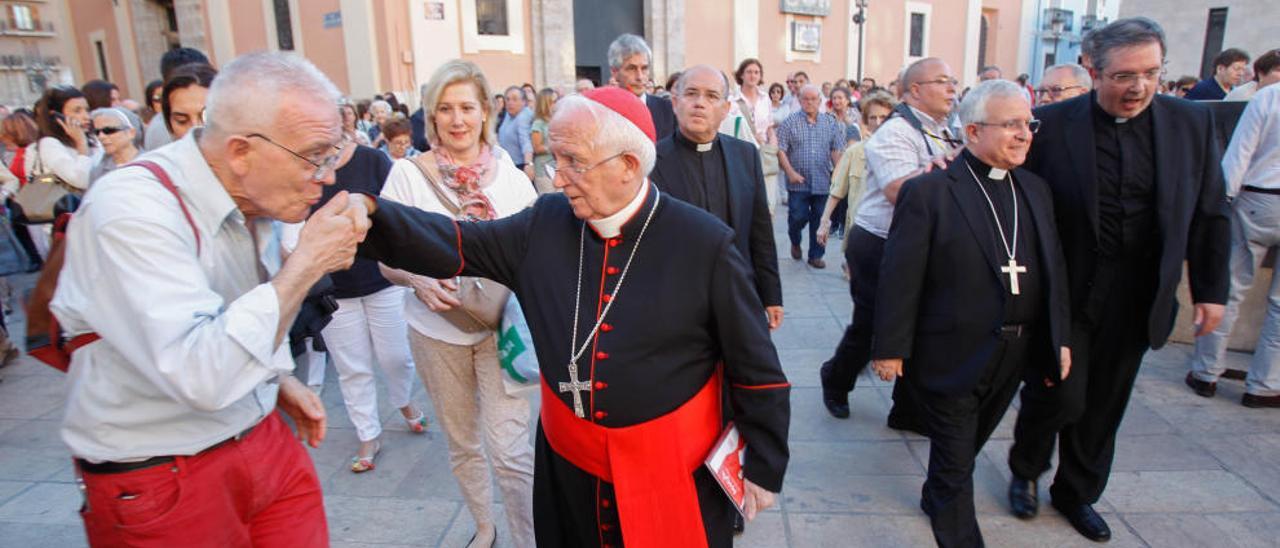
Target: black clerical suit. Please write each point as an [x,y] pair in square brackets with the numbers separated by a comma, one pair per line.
[947,309]
[663,114]
[686,308]
[727,181]
[1133,200]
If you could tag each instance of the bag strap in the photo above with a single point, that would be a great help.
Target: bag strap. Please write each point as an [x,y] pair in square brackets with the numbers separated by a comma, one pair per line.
[436,185]
[167,183]
[748,112]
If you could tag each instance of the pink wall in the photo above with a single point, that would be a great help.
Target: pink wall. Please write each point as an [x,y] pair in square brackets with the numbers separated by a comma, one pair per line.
[249,28]
[1008,18]
[505,69]
[89,17]
[773,44]
[322,46]
[708,37]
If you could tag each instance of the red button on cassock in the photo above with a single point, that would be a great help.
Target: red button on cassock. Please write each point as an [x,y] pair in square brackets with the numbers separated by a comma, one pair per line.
[612,271]
[600,415]
[606,298]
[602,355]
[606,327]
[614,242]
[605,503]
[600,385]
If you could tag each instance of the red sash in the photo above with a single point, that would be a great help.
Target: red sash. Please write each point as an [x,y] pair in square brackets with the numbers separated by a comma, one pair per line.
[650,464]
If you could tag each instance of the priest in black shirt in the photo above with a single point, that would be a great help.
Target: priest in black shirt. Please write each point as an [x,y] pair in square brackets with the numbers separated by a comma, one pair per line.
[721,175]
[641,308]
[972,296]
[1138,191]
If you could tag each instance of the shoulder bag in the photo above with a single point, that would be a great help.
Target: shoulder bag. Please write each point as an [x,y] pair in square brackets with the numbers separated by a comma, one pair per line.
[483,300]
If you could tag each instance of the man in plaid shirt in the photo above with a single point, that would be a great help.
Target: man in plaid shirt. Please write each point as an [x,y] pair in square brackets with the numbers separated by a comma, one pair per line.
[809,145]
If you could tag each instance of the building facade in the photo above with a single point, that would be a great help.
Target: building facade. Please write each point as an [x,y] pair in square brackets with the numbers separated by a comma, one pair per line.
[34,51]
[372,46]
[1197,30]
[1054,29]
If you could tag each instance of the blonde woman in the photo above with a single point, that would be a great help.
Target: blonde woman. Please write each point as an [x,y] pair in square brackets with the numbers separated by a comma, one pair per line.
[542,141]
[468,176]
[851,171]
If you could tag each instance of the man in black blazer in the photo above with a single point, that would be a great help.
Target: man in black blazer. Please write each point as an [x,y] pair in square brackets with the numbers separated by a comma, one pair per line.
[1138,190]
[629,60]
[972,296]
[722,175]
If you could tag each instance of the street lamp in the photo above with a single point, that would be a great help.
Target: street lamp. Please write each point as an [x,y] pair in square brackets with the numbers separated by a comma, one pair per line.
[860,19]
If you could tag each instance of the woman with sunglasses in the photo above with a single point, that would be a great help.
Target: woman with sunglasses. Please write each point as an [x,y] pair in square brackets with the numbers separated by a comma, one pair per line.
[114,129]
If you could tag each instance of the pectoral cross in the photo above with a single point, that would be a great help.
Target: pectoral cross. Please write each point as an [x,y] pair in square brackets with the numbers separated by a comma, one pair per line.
[1013,269]
[577,387]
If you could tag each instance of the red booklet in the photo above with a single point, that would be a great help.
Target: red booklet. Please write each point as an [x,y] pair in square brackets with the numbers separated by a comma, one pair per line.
[725,464]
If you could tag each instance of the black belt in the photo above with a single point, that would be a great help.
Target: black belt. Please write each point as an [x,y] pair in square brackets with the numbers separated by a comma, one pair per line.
[1260,190]
[122,467]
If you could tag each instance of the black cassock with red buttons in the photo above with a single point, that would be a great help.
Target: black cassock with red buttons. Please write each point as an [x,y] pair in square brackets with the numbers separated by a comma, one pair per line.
[687,304]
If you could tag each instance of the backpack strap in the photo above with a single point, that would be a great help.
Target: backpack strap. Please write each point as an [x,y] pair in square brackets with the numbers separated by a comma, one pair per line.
[167,183]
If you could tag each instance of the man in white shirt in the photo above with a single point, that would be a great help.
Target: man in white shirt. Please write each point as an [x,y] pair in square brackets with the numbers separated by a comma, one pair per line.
[898,151]
[171,414]
[1251,167]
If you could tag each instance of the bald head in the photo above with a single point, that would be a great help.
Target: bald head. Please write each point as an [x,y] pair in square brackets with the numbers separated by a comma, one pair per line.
[702,72]
[928,85]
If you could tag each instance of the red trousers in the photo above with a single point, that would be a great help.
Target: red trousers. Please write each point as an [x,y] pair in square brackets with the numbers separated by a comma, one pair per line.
[259,491]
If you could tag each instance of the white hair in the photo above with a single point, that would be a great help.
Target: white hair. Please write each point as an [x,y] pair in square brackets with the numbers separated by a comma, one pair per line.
[1078,73]
[625,46]
[248,92]
[613,132]
[806,87]
[113,112]
[380,105]
[973,108]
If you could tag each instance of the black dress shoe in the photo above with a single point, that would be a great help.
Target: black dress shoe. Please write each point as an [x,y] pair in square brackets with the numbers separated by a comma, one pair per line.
[795,252]
[1258,402]
[1024,498]
[837,401]
[1087,522]
[1202,388]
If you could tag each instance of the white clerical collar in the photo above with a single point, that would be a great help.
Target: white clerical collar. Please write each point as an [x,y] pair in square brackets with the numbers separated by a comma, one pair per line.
[611,226]
[997,174]
[704,147]
[1120,120]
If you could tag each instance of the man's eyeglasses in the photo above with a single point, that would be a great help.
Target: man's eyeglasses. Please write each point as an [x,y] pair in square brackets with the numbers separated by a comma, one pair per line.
[323,166]
[580,171]
[1015,125]
[694,95]
[1131,78]
[944,81]
[1054,91]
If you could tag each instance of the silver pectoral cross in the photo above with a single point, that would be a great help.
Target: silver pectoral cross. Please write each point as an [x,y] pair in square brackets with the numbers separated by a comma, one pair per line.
[577,387]
[1013,269]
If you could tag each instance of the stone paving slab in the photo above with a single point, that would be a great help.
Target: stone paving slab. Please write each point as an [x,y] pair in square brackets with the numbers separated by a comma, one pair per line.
[1189,471]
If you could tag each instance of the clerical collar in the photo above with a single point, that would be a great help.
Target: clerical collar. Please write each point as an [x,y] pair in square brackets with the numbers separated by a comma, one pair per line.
[1105,116]
[688,143]
[980,167]
[611,226]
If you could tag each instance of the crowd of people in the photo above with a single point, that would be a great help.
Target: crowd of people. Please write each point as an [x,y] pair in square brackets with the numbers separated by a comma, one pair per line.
[985,244]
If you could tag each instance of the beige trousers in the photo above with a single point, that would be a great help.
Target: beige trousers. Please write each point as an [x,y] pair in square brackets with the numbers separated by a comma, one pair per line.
[469,399]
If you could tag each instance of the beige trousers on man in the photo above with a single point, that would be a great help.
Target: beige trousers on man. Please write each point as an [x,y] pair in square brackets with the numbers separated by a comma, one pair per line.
[467,393]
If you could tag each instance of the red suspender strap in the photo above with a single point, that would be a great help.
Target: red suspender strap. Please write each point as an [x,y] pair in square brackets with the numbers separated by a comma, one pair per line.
[86,338]
[167,183]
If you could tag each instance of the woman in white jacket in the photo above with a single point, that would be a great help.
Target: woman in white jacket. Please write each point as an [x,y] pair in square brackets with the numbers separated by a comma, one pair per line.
[65,147]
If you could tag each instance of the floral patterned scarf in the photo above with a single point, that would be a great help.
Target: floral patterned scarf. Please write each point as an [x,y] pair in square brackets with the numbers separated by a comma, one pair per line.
[468,181]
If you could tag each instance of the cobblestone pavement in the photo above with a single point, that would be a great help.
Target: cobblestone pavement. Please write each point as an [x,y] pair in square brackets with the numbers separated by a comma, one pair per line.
[1188,471]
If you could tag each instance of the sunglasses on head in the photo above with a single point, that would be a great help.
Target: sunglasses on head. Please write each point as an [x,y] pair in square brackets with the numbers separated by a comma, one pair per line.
[107,130]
